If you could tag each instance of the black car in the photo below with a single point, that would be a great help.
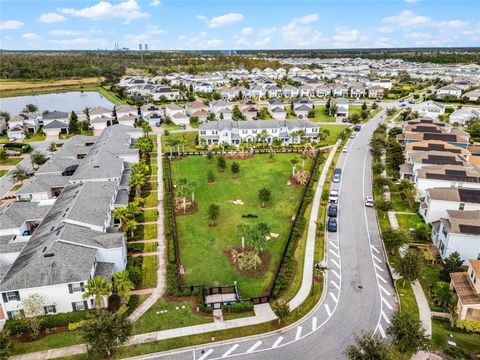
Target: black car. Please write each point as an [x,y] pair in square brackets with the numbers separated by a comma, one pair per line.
[332,211]
[332,224]
[337,171]
[358,127]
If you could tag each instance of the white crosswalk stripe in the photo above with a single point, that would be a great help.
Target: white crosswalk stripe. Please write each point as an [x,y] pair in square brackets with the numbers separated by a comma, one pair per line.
[335,284]
[333,297]
[277,342]
[299,333]
[387,320]
[205,355]
[333,244]
[335,273]
[335,263]
[381,278]
[254,346]
[229,351]
[328,310]
[375,249]
[386,303]
[384,290]
[382,332]
[334,253]
[314,323]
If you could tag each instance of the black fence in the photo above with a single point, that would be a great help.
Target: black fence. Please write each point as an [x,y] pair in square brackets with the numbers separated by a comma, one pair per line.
[236,152]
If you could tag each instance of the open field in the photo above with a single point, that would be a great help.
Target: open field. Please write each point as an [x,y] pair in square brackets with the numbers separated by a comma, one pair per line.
[335,131]
[202,247]
[17,88]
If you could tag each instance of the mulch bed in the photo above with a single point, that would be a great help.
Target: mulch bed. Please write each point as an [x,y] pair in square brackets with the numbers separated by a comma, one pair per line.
[188,211]
[260,271]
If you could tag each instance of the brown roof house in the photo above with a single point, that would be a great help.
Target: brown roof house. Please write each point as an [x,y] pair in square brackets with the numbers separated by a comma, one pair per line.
[467,287]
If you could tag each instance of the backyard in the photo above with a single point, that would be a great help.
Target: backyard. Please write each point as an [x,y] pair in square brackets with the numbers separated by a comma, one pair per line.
[203,248]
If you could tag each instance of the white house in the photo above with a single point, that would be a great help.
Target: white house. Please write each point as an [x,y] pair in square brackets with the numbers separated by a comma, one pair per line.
[301,107]
[451,90]
[342,106]
[463,116]
[473,95]
[438,201]
[429,108]
[467,287]
[276,109]
[460,232]
[55,116]
[221,109]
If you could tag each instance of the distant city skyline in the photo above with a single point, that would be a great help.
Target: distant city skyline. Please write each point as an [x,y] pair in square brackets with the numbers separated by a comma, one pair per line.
[225,25]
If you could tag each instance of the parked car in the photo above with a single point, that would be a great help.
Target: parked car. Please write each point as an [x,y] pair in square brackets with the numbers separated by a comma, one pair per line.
[332,224]
[333,198]
[368,201]
[336,177]
[337,171]
[345,149]
[358,127]
[353,136]
[332,210]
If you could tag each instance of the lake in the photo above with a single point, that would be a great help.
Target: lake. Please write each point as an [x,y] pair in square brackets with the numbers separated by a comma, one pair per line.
[66,101]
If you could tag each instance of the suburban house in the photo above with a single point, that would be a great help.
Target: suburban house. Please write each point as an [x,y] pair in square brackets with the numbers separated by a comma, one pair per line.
[438,201]
[152,114]
[460,232]
[276,109]
[301,107]
[415,160]
[467,287]
[376,92]
[449,91]
[221,109]
[464,115]
[357,90]
[177,114]
[428,129]
[437,145]
[55,116]
[100,118]
[323,91]
[248,108]
[54,128]
[126,110]
[290,91]
[62,233]
[341,105]
[473,95]
[198,109]
[429,109]
[21,123]
[237,132]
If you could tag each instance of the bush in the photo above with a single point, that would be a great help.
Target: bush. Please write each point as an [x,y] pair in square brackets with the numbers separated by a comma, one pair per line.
[132,303]
[469,325]
[114,303]
[172,279]
[239,307]
[135,247]
[76,325]
[203,308]
[24,148]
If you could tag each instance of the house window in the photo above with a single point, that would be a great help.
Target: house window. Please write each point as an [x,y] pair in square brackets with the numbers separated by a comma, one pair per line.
[203,132]
[12,296]
[444,231]
[79,305]
[461,206]
[15,314]
[76,287]
[50,309]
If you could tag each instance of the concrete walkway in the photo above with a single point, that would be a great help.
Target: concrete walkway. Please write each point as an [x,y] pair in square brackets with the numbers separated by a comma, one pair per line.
[393,220]
[308,263]
[143,254]
[423,308]
[161,266]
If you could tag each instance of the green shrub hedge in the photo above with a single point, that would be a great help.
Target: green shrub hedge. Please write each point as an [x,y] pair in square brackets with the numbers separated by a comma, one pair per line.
[239,307]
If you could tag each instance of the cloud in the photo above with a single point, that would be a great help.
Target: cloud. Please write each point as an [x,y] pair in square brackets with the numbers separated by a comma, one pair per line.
[155,30]
[214,43]
[348,38]
[222,20]
[63,32]
[247,31]
[10,25]
[418,35]
[267,31]
[262,42]
[128,10]
[51,18]
[182,38]
[31,36]
[298,33]
[407,19]
[410,1]
[155,3]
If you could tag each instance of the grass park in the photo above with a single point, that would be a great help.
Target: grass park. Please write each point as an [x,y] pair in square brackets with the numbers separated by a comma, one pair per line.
[204,249]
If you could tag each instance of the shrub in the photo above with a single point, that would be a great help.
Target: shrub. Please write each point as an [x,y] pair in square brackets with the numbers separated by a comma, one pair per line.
[135,247]
[76,325]
[239,307]
[172,279]
[132,303]
[469,325]
[114,303]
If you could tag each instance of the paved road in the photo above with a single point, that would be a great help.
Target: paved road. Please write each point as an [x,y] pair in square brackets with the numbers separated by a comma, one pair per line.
[358,291]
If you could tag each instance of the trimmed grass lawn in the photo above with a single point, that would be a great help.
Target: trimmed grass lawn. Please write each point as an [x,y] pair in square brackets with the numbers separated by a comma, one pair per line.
[399,204]
[48,342]
[408,303]
[202,247]
[151,200]
[406,221]
[178,314]
[3,172]
[36,137]
[149,272]
[429,276]
[240,315]
[10,161]
[441,329]
[150,247]
[335,131]
[16,187]
[189,138]
[150,215]
[154,170]
[145,232]
[321,115]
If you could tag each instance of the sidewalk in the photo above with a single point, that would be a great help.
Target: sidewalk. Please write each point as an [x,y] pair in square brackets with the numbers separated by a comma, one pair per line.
[423,308]
[307,279]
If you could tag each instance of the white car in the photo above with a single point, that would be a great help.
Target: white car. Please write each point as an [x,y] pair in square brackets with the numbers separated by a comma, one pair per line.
[368,201]
[352,136]
[345,150]
[333,198]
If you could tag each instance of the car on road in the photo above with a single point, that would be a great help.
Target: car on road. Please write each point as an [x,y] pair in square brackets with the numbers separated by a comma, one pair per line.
[336,177]
[337,171]
[401,100]
[332,224]
[333,210]
[333,198]
[353,136]
[403,105]
[345,150]
[357,127]
[368,201]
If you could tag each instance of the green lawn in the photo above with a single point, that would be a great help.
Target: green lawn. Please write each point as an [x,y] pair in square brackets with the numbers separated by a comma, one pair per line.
[3,172]
[231,316]
[406,221]
[48,342]
[202,247]
[10,161]
[399,204]
[441,329]
[150,247]
[150,215]
[189,138]
[38,136]
[151,200]
[321,115]
[408,303]
[149,272]
[165,315]
[145,232]
[154,170]
[16,187]
[335,131]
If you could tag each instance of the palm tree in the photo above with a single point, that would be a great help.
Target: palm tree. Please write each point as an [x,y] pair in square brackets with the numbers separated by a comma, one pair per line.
[121,214]
[146,129]
[137,177]
[441,294]
[294,162]
[123,285]
[98,288]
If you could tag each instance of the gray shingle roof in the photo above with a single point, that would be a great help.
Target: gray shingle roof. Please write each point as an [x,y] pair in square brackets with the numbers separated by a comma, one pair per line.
[43,183]
[55,124]
[56,115]
[14,215]
[104,270]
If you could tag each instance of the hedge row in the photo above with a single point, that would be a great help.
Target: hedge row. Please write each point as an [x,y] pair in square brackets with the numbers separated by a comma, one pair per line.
[134,268]
[288,265]
[24,148]
[239,307]
[135,247]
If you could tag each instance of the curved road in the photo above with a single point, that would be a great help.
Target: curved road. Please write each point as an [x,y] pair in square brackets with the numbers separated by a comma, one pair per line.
[358,291]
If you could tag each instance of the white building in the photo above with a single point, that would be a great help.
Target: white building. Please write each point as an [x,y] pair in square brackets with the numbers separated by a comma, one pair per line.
[451,90]
[463,116]
[429,108]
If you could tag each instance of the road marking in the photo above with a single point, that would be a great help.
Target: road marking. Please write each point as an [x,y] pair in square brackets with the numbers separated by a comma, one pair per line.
[229,351]
[277,342]
[333,297]
[386,303]
[381,278]
[204,356]
[334,284]
[314,323]
[335,273]
[333,244]
[387,320]
[334,253]
[382,332]
[328,310]
[336,263]
[384,290]
[254,346]
[375,249]
[376,258]
[378,267]
[299,332]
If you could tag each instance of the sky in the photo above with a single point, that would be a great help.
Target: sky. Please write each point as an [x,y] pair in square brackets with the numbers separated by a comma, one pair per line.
[232,24]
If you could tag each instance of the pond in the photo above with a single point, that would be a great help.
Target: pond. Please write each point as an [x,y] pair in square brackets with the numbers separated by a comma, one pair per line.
[66,101]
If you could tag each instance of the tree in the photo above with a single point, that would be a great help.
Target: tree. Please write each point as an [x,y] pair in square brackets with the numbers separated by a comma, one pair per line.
[138,180]
[3,153]
[221,164]
[209,156]
[98,288]
[33,308]
[52,147]
[146,128]
[473,128]
[19,174]
[6,345]
[264,195]
[123,285]
[364,106]
[368,347]
[262,114]
[38,158]
[374,105]
[395,238]
[294,162]
[453,263]
[185,188]
[355,118]
[30,108]
[235,167]
[144,146]
[281,309]
[364,114]
[73,122]
[105,333]
[210,176]
[441,294]
[408,333]
[213,213]
[410,266]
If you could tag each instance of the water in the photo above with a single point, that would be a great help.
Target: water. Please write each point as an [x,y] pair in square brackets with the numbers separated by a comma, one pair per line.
[67,101]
